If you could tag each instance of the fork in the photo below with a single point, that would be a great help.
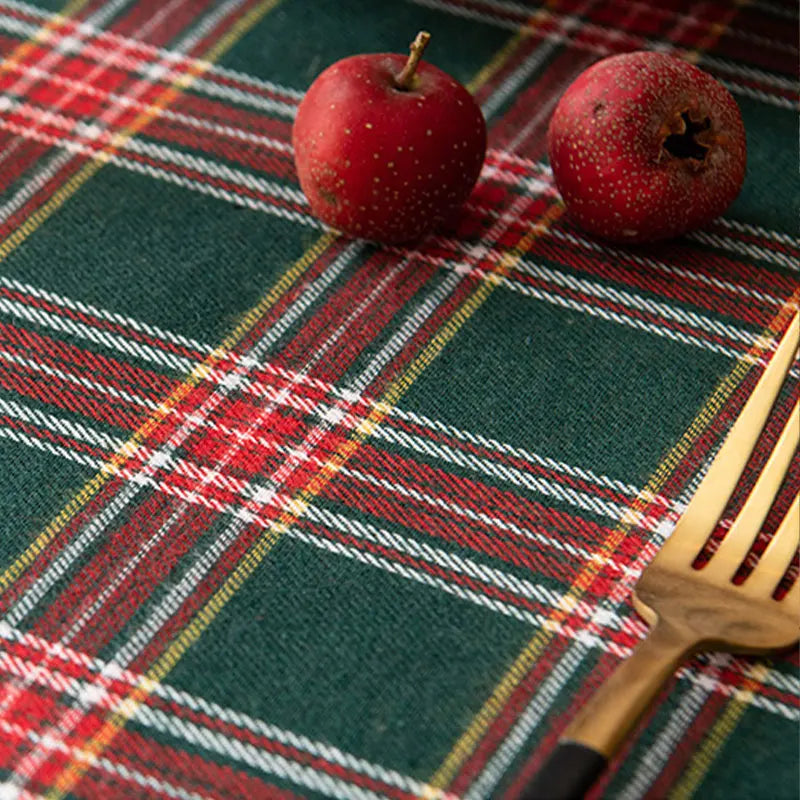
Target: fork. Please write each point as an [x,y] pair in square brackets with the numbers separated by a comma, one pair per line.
[697,609]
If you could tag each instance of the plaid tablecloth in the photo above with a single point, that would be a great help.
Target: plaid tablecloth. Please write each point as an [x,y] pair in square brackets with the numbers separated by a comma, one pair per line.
[285,514]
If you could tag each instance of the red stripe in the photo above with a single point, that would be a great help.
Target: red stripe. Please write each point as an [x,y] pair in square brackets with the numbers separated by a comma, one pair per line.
[139,531]
[58,354]
[503,722]
[501,544]
[125,540]
[188,771]
[43,435]
[501,458]
[101,324]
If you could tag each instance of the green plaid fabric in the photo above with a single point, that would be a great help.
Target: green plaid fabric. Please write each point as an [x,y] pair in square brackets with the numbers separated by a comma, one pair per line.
[286,514]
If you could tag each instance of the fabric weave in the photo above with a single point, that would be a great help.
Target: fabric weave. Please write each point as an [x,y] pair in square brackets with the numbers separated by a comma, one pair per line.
[286,514]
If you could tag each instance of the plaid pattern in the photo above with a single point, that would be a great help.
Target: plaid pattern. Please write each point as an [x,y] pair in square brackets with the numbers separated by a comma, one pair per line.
[291,515]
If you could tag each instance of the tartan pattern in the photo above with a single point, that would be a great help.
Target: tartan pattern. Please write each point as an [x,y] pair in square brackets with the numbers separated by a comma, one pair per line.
[375,472]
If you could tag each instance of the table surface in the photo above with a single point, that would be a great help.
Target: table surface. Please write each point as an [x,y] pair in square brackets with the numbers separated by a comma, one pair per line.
[286,514]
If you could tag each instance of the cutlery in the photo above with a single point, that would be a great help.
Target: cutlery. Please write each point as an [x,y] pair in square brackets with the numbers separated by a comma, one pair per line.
[692,609]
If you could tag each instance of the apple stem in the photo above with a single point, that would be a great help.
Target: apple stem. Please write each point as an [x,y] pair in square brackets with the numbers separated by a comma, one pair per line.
[405,79]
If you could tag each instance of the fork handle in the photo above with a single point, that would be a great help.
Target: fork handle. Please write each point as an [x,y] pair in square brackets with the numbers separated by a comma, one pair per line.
[602,725]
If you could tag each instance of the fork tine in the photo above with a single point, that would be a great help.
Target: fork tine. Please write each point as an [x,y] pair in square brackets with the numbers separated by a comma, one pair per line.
[775,560]
[738,540]
[710,499]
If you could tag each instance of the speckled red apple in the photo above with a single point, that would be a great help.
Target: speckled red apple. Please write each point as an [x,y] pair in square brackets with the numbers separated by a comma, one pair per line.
[387,146]
[645,146]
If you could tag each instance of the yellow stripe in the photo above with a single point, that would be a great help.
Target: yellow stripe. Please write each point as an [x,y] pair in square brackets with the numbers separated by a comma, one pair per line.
[500,58]
[297,506]
[477,728]
[300,503]
[472,736]
[497,62]
[722,729]
[42,35]
[716,738]
[200,372]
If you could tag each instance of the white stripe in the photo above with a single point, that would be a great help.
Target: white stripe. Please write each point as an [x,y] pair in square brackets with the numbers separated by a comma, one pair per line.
[94,30]
[163,74]
[672,269]
[177,595]
[760,95]
[109,340]
[199,29]
[101,696]
[145,781]
[187,120]
[758,230]
[607,315]
[11,789]
[458,510]
[529,720]
[251,756]
[604,617]
[409,441]
[23,84]
[47,169]
[253,98]
[449,455]
[161,174]
[216,170]
[563,670]
[95,386]
[774,8]
[140,638]
[634,301]
[545,185]
[495,172]
[704,683]
[60,425]
[48,447]
[502,472]
[259,499]
[653,759]
[79,544]
[521,453]
[629,299]
[258,387]
[568,21]
[104,138]
[277,189]
[101,313]
[747,248]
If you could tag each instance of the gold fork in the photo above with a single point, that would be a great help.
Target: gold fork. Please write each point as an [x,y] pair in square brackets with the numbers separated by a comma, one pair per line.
[692,610]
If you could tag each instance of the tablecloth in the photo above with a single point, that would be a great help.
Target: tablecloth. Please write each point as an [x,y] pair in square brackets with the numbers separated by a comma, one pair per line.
[286,514]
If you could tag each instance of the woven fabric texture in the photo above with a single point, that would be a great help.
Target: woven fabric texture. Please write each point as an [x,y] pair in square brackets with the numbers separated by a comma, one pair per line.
[290,515]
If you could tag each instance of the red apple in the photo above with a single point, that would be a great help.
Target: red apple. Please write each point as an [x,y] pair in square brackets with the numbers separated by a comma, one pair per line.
[387,146]
[645,146]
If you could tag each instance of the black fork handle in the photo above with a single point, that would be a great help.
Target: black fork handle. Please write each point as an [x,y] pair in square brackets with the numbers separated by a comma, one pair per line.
[568,773]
